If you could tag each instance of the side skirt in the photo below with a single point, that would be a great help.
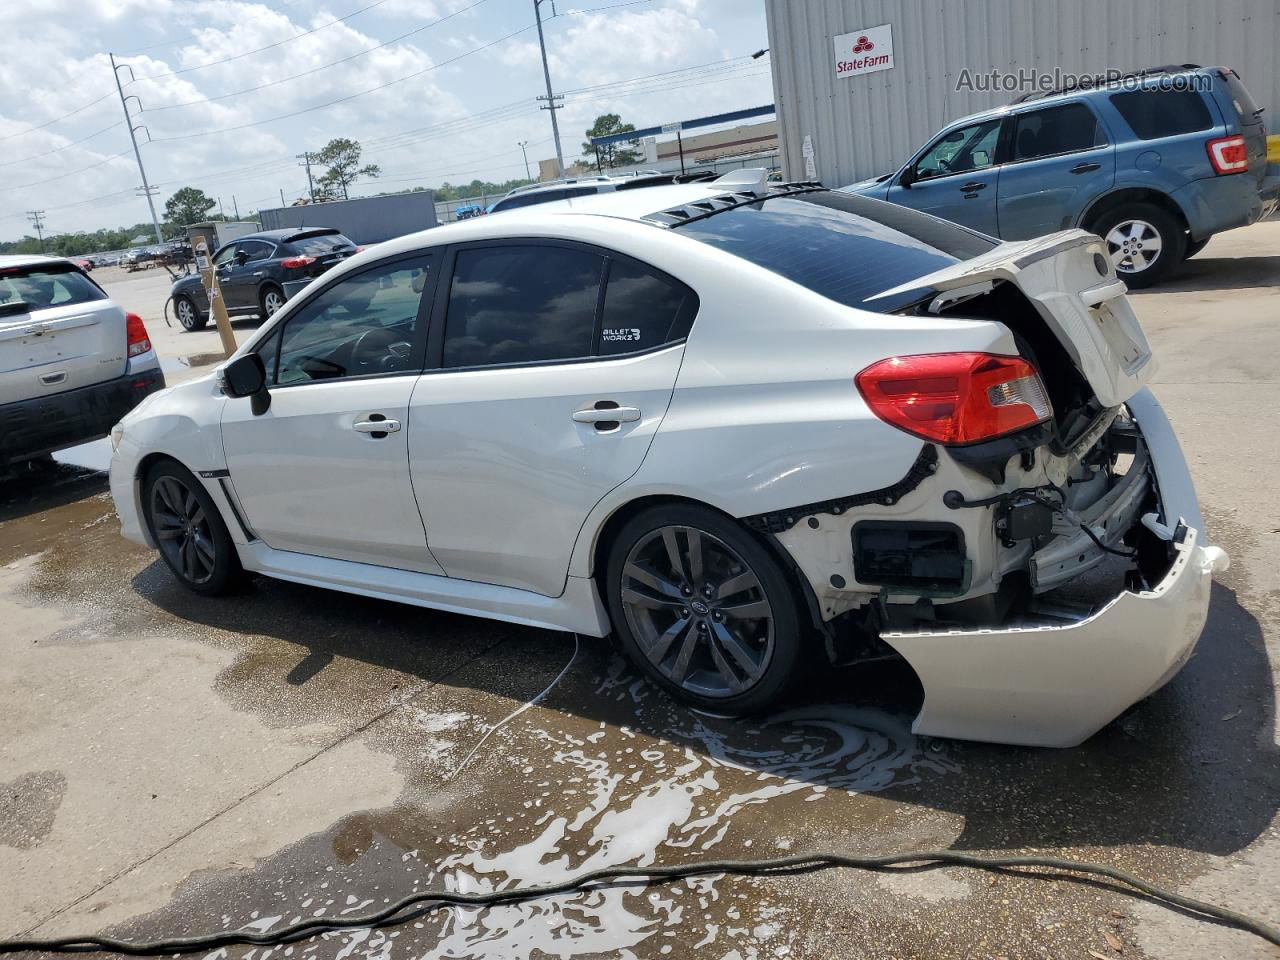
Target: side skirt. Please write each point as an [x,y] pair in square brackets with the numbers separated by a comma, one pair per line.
[577,610]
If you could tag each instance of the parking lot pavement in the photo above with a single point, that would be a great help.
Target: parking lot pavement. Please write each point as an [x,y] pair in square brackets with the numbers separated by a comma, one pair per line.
[174,764]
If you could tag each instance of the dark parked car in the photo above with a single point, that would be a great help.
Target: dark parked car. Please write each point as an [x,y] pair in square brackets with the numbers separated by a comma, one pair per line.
[260,271]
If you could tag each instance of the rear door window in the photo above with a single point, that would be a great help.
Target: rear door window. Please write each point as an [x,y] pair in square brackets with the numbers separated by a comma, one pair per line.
[1154,113]
[1067,128]
[641,309]
[521,304]
[47,285]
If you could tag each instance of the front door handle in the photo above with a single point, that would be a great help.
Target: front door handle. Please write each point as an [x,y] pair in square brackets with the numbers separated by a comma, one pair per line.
[607,415]
[1086,167]
[973,186]
[376,426]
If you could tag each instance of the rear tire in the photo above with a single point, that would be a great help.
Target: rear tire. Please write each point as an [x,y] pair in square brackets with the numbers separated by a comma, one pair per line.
[703,609]
[1144,242]
[186,526]
[185,310]
[271,299]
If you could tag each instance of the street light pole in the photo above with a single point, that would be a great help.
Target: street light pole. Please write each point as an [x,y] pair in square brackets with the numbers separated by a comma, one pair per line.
[128,122]
[551,98]
[524,153]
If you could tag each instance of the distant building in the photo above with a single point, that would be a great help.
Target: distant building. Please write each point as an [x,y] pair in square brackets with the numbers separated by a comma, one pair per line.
[720,148]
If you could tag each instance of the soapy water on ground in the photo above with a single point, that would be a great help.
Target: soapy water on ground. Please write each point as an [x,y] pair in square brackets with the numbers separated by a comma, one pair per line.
[613,795]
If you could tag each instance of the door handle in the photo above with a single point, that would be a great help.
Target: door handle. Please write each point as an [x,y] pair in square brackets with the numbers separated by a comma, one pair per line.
[1086,167]
[973,187]
[376,426]
[607,415]
[257,273]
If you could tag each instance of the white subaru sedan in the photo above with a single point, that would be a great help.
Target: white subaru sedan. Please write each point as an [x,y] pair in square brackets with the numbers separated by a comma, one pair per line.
[744,428]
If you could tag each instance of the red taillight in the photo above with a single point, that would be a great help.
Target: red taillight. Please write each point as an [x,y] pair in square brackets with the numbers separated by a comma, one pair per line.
[1228,154]
[136,334]
[955,398]
[292,263]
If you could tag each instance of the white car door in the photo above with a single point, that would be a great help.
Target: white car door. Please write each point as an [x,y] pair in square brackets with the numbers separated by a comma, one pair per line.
[554,366]
[324,470]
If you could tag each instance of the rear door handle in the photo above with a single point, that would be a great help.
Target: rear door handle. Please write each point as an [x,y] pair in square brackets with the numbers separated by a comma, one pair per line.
[607,415]
[1086,167]
[973,187]
[383,426]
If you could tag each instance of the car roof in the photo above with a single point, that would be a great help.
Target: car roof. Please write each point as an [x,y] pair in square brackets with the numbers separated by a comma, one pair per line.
[28,259]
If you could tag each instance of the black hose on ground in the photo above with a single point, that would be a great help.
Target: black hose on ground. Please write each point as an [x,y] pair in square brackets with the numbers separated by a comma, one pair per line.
[434,900]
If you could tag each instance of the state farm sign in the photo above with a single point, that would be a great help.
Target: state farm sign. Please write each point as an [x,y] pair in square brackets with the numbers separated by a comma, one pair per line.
[864,51]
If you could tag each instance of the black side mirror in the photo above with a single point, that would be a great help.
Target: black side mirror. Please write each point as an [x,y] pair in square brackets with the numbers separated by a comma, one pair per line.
[242,257]
[247,377]
[907,178]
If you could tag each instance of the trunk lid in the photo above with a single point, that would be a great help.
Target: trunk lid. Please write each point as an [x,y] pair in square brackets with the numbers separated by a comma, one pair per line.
[1069,279]
[58,331]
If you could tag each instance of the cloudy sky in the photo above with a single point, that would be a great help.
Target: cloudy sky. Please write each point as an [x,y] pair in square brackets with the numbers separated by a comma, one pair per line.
[232,90]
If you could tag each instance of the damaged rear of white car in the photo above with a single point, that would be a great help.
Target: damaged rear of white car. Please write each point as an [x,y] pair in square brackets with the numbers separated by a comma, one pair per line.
[1042,564]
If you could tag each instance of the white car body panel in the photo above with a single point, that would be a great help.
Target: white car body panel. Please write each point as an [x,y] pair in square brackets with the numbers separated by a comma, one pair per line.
[755,413]
[505,477]
[309,483]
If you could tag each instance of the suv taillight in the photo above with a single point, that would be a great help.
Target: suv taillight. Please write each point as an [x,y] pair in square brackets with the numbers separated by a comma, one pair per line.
[955,398]
[293,263]
[136,335]
[1228,154]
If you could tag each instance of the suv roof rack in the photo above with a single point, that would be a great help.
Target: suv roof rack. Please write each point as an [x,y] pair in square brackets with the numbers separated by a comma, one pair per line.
[1144,72]
[709,206]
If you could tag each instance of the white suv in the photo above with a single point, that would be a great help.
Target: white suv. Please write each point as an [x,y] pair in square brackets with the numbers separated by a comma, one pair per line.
[72,362]
[736,427]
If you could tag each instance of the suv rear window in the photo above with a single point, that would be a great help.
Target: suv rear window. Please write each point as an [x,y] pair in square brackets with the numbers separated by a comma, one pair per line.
[1241,99]
[1162,113]
[844,247]
[46,285]
[320,244]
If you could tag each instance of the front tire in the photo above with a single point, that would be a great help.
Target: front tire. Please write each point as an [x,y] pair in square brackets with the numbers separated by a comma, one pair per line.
[185,524]
[1144,242]
[703,609]
[185,309]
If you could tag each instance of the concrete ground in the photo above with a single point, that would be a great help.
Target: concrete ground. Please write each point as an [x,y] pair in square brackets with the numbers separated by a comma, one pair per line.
[172,764]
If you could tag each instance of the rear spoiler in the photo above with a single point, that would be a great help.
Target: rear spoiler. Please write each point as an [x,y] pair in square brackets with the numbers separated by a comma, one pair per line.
[314,232]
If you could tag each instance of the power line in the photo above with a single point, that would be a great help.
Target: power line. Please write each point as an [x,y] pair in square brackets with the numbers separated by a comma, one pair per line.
[69,173]
[349,97]
[269,46]
[174,43]
[307,73]
[65,146]
[49,123]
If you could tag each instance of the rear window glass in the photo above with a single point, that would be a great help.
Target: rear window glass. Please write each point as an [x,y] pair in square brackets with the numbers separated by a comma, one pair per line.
[843,247]
[1162,113]
[528,199]
[322,244]
[46,286]
[1241,99]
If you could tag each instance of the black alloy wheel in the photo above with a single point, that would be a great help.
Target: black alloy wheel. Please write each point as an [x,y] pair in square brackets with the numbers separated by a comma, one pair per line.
[704,610]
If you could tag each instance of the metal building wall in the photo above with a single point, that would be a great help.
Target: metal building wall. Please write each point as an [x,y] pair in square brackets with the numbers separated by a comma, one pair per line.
[365,219]
[862,126]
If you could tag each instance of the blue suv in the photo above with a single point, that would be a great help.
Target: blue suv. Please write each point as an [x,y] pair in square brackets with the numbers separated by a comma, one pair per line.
[1155,163]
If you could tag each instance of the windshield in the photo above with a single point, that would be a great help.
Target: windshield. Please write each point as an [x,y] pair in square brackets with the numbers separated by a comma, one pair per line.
[47,285]
[844,247]
[318,244]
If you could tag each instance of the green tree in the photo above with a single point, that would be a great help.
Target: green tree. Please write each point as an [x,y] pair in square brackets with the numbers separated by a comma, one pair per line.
[620,154]
[342,158]
[188,205]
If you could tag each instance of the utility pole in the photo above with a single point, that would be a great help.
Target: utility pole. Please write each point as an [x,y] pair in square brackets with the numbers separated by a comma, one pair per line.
[128,122]
[220,212]
[306,159]
[37,220]
[282,203]
[550,98]
[524,153]
[235,206]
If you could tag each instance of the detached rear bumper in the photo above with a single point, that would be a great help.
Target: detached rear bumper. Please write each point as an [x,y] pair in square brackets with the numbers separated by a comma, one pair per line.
[30,428]
[1055,686]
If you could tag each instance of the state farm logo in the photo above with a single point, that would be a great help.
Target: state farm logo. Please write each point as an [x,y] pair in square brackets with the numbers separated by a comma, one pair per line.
[864,51]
